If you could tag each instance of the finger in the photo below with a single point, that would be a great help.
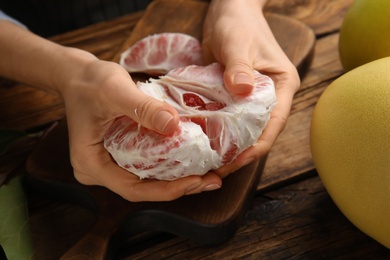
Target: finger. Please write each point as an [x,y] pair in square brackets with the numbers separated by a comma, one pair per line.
[253,153]
[130,187]
[154,114]
[155,190]
[276,124]
[238,76]
[144,109]
[210,181]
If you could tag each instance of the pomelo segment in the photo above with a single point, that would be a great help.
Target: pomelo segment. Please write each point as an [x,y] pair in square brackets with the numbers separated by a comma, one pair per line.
[215,126]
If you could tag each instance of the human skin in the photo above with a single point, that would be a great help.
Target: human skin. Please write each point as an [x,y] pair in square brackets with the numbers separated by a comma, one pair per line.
[95,92]
[238,36]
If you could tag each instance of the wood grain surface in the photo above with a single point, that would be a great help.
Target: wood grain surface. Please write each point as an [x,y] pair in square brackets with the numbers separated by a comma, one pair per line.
[298,221]
[208,218]
[151,23]
[212,217]
[291,217]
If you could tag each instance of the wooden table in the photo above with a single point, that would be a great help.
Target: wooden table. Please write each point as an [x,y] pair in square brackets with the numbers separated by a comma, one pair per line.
[292,214]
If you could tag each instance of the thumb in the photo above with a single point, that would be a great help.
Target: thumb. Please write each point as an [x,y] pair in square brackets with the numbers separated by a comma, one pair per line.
[152,113]
[238,77]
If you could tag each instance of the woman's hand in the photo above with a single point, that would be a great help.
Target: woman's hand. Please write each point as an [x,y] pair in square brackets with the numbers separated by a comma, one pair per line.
[99,92]
[95,92]
[237,35]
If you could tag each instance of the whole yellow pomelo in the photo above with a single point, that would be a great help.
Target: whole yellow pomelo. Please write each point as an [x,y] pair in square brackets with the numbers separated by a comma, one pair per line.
[365,33]
[350,145]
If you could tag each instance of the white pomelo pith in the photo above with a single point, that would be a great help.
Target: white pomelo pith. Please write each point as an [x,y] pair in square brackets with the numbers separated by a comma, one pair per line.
[215,126]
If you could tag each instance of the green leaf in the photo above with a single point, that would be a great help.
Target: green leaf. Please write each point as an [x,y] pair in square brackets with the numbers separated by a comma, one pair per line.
[15,237]
[7,136]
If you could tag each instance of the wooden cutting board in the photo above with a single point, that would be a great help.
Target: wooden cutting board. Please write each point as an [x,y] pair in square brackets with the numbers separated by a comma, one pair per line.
[295,37]
[210,217]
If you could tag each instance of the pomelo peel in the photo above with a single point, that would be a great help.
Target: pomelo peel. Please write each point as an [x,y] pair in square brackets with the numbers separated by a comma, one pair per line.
[350,145]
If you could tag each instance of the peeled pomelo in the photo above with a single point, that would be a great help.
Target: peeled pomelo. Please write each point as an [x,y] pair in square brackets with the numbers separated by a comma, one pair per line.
[350,145]
[364,34]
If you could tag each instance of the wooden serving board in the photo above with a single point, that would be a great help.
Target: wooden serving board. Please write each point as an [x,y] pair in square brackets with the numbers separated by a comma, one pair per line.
[210,217]
[293,36]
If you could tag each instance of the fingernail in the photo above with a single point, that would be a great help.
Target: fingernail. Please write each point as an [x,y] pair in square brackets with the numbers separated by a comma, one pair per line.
[243,79]
[211,187]
[162,121]
[190,189]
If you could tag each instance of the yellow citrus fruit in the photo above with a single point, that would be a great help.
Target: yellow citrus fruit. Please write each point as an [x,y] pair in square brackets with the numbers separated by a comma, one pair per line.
[350,145]
[365,33]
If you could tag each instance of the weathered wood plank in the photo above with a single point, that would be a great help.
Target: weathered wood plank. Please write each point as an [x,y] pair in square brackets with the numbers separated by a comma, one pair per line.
[297,221]
[323,17]
[232,196]
[110,36]
[290,157]
[325,67]
[56,226]
[26,107]
[102,39]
